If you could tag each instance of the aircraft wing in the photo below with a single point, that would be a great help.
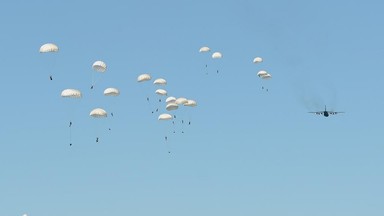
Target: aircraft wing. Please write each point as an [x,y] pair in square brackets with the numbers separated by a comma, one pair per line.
[317,113]
[334,113]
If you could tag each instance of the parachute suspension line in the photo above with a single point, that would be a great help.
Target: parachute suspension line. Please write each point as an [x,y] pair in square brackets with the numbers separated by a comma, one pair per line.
[70,135]
[166,139]
[174,127]
[98,135]
[70,114]
[150,105]
[109,123]
[158,103]
[182,125]
[99,130]
[206,68]
[188,117]
[92,80]
[95,80]
[95,132]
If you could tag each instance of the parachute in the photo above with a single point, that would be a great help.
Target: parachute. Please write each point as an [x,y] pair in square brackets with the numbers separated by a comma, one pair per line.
[170,100]
[49,47]
[98,113]
[50,62]
[217,55]
[71,93]
[161,92]
[262,73]
[257,60]
[143,77]
[204,49]
[111,92]
[165,116]
[181,100]
[171,106]
[190,103]
[266,76]
[99,66]
[160,81]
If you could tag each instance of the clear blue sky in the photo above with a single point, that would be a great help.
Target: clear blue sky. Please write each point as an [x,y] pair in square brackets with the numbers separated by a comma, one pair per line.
[247,152]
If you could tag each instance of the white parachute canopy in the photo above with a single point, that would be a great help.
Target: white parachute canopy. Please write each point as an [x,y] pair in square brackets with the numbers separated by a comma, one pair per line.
[143,77]
[257,60]
[161,92]
[217,55]
[190,103]
[99,66]
[170,99]
[165,116]
[266,76]
[111,92]
[49,47]
[160,81]
[181,100]
[98,113]
[204,49]
[171,106]
[71,93]
[262,73]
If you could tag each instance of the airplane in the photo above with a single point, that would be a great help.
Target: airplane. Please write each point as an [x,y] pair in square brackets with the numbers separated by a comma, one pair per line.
[326,113]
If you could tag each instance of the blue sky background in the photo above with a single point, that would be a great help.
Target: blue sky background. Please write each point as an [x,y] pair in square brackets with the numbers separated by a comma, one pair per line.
[247,151]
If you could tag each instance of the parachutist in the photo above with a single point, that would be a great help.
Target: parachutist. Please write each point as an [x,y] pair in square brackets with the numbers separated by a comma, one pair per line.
[217,71]
[174,131]
[152,111]
[157,110]
[70,144]
[174,116]
[206,65]
[109,128]
[262,87]
[112,114]
[148,99]
[166,138]
[97,139]
[50,77]
[182,121]
[182,131]
[189,123]
[159,100]
[173,122]
[267,89]
[70,124]
[91,86]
